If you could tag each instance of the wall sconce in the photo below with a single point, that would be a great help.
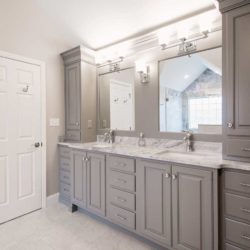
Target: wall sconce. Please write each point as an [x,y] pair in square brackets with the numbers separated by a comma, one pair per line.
[143,70]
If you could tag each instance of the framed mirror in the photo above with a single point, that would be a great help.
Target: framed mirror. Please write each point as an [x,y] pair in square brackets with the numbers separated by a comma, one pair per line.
[116,100]
[190,93]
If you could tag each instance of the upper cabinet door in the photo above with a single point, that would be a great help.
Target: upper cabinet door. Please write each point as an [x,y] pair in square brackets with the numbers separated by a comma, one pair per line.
[153,201]
[236,73]
[192,209]
[73,96]
[96,183]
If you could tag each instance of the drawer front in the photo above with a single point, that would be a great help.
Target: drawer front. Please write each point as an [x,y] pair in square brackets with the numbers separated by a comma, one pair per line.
[65,190]
[237,206]
[65,176]
[237,182]
[230,247]
[64,152]
[73,135]
[236,147]
[238,232]
[65,164]
[121,216]
[123,181]
[123,199]
[120,163]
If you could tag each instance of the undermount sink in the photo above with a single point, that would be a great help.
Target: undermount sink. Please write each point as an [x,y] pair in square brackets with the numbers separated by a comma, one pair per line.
[102,146]
[169,152]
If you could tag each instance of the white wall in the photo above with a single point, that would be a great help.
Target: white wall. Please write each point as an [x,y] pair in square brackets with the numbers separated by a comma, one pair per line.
[26,31]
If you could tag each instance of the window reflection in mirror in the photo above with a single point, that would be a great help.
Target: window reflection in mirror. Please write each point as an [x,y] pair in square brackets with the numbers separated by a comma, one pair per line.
[191,93]
[116,100]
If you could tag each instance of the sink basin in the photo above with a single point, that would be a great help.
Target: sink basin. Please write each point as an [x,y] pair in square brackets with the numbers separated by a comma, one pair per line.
[102,146]
[179,153]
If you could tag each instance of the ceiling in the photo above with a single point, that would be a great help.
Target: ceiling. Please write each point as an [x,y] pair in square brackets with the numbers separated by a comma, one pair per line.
[98,23]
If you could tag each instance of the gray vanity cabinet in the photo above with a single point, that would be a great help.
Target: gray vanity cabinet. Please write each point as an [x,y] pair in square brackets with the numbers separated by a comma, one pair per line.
[79,179]
[154,201]
[236,79]
[72,96]
[192,209]
[96,183]
[80,95]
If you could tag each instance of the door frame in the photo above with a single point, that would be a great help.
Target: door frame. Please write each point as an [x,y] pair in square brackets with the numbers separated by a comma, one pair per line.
[42,66]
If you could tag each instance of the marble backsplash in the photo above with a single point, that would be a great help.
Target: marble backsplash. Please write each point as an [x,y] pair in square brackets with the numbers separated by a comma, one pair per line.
[175,145]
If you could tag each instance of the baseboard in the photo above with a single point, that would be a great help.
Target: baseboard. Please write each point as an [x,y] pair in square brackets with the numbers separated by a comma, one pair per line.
[52,199]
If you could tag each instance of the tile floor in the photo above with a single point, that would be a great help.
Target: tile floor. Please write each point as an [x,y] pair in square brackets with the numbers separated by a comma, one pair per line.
[55,228]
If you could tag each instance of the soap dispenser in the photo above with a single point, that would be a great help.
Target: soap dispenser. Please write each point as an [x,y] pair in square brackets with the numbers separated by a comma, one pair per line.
[141,141]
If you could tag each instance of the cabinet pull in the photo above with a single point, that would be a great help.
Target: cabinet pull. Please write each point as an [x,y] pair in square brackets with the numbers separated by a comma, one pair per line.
[121,217]
[121,199]
[245,210]
[174,177]
[245,237]
[245,149]
[167,175]
[121,180]
[245,185]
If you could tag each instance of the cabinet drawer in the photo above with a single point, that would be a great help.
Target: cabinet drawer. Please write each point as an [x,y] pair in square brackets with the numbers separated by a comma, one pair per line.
[238,232]
[65,189]
[65,164]
[65,176]
[238,148]
[120,163]
[230,247]
[123,199]
[73,135]
[120,180]
[64,152]
[237,206]
[121,216]
[237,182]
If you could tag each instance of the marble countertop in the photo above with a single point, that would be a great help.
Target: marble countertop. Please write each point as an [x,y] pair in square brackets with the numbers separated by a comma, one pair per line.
[201,158]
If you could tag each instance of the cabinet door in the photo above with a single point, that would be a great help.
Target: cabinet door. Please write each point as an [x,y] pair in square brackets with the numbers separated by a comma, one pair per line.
[236,73]
[96,183]
[153,201]
[192,209]
[73,96]
[79,179]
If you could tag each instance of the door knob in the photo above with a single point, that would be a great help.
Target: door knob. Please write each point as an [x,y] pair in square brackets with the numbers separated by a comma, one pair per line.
[37,144]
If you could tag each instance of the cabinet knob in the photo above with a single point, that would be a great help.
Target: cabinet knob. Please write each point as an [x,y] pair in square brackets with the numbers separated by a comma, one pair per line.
[174,176]
[167,175]
[77,123]
[229,124]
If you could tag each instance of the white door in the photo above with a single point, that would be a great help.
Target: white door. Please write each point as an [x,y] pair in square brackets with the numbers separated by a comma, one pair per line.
[20,129]
[121,106]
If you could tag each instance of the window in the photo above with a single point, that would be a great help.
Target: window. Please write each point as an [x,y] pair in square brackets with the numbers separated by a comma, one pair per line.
[204,111]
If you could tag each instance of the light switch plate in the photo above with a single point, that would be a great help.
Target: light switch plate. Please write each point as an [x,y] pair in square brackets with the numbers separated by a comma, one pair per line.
[89,123]
[54,122]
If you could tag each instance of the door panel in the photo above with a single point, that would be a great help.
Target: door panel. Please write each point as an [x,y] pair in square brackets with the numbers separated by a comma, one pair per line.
[192,209]
[154,201]
[20,128]
[73,96]
[79,179]
[96,183]
[236,70]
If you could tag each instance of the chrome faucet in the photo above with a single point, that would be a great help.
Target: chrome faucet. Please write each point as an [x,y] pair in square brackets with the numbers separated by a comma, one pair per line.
[187,139]
[109,136]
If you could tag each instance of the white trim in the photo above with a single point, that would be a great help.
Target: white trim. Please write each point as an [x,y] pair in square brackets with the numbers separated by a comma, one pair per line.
[43,111]
[52,199]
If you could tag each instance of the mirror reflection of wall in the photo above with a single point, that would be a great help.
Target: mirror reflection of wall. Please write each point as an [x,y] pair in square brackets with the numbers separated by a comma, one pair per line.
[116,100]
[191,93]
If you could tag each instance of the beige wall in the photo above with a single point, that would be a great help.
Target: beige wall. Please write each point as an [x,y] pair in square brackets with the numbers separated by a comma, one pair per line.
[26,31]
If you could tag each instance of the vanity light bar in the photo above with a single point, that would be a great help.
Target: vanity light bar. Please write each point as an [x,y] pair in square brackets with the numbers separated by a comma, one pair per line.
[185,40]
[112,63]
